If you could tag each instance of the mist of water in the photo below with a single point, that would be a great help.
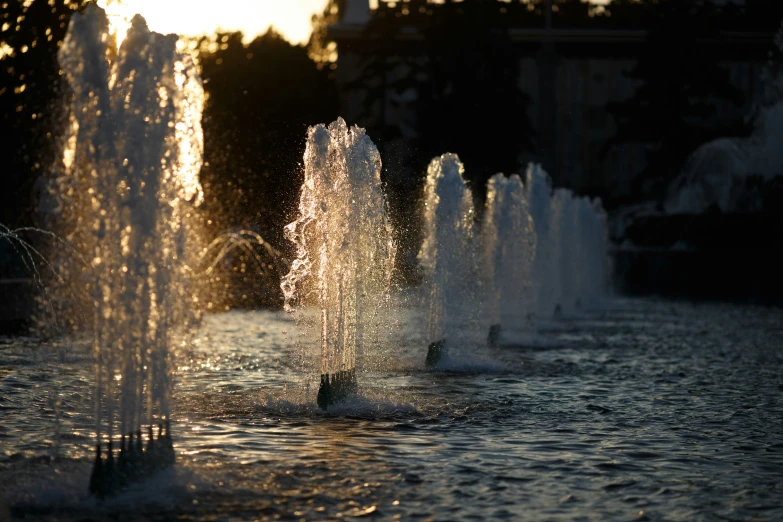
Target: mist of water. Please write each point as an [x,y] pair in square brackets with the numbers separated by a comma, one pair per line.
[595,267]
[579,253]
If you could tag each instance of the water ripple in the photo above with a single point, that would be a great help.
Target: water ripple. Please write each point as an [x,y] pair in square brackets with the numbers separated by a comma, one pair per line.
[650,411]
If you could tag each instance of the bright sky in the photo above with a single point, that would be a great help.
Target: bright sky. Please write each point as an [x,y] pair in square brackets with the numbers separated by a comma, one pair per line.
[252,17]
[197,17]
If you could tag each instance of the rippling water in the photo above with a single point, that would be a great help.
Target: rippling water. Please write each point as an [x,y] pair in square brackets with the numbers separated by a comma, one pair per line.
[650,411]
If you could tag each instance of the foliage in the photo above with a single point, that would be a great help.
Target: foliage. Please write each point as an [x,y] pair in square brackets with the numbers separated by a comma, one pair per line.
[321,50]
[261,98]
[462,90]
[30,85]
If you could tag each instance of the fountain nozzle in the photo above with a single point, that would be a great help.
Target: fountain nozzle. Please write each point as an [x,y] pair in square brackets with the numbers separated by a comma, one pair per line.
[133,463]
[435,353]
[336,387]
[97,485]
[494,335]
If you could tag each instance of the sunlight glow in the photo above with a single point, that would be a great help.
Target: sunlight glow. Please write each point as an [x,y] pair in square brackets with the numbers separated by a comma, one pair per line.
[206,17]
[120,15]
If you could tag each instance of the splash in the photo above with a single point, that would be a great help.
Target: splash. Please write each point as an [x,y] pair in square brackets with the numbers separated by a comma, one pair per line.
[268,260]
[447,256]
[344,249]
[132,157]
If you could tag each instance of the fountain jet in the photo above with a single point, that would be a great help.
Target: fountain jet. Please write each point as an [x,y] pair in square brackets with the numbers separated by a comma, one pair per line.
[509,250]
[447,255]
[132,159]
[344,247]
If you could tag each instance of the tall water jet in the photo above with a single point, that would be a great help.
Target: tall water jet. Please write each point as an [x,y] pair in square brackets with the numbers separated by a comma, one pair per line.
[447,256]
[579,253]
[571,268]
[344,249]
[130,182]
[566,251]
[595,265]
[538,193]
[508,253]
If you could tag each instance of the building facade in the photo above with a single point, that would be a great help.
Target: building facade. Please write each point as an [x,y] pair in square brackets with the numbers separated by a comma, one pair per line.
[570,75]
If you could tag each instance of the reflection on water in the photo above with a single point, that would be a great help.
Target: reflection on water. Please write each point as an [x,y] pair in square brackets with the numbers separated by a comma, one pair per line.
[651,411]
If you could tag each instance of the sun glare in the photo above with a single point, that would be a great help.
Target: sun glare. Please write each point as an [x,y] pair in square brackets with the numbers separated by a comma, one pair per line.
[120,15]
[193,18]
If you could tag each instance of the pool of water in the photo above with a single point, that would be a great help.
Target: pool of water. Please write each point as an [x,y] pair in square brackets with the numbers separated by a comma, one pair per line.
[651,410]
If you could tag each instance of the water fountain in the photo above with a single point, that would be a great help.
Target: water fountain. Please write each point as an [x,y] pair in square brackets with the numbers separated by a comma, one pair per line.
[508,252]
[594,266]
[344,250]
[580,275]
[131,164]
[447,256]
[538,193]
[565,254]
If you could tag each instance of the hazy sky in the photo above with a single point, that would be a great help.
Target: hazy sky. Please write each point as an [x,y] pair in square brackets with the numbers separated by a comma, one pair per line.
[252,17]
[196,17]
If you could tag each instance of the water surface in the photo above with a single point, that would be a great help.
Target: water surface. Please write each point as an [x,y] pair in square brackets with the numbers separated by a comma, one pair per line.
[650,411]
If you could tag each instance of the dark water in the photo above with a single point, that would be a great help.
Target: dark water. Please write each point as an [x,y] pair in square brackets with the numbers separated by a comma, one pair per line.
[651,411]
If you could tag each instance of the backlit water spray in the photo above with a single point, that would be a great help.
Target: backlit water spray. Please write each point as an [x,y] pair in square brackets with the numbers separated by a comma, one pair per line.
[131,165]
[447,256]
[344,250]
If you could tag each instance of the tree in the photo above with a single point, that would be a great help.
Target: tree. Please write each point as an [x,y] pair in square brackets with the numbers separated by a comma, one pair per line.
[261,98]
[471,103]
[761,15]
[675,107]
[30,88]
[320,48]
[465,79]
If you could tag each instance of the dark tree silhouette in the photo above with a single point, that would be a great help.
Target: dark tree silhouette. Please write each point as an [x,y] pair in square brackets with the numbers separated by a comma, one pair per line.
[675,107]
[759,15]
[261,99]
[320,48]
[30,87]
[465,81]
[471,103]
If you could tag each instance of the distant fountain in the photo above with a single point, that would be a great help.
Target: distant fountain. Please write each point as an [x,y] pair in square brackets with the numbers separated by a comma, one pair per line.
[267,258]
[571,269]
[241,254]
[132,160]
[508,252]
[447,256]
[538,193]
[718,172]
[344,248]
[580,253]
[595,263]
[566,251]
